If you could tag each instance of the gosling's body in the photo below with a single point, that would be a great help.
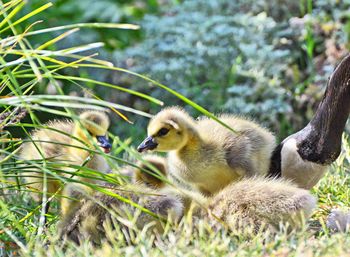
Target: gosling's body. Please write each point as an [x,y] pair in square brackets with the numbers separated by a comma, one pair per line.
[99,211]
[261,202]
[206,154]
[57,145]
[148,189]
[50,151]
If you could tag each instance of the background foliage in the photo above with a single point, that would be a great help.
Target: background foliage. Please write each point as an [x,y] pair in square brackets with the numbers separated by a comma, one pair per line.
[266,59]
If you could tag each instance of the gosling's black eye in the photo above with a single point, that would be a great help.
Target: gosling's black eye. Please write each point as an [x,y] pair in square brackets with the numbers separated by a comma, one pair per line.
[162,132]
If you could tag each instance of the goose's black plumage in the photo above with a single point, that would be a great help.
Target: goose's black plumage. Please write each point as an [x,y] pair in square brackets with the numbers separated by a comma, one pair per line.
[305,155]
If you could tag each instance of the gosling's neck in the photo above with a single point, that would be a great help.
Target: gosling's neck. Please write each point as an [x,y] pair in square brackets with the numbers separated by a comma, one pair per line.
[193,143]
[75,151]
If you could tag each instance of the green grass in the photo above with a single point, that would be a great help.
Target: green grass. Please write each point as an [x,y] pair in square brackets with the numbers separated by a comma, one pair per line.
[24,69]
[198,237]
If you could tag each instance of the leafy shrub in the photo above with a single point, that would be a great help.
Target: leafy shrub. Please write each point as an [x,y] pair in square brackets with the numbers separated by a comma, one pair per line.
[238,56]
[266,59]
[102,11]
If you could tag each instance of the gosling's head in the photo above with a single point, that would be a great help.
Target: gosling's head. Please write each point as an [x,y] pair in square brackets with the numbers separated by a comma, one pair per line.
[149,169]
[96,124]
[168,130]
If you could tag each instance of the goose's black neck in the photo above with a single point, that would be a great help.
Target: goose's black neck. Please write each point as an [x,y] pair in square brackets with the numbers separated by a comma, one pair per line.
[320,140]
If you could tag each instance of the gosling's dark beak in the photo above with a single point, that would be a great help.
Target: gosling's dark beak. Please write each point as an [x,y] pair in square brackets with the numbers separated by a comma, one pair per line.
[104,143]
[148,144]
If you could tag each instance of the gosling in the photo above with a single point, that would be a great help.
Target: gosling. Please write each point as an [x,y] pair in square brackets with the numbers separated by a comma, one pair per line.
[248,206]
[262,203]
[66,142]
[206,154]
[100,211]
[151,172]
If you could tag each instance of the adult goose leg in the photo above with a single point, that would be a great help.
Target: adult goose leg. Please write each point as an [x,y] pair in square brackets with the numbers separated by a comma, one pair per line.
[303,157]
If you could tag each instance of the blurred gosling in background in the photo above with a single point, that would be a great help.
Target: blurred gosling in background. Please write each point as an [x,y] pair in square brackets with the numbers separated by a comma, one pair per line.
[67,143]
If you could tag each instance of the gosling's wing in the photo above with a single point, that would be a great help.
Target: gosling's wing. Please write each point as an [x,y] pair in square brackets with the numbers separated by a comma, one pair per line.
[232,146]
[237,151]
